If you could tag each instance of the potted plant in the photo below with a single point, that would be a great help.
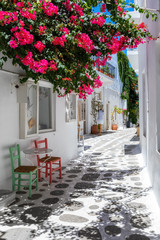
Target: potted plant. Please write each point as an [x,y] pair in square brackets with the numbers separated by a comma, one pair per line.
[138,129]
[95,106]
[102,69]
[112,75]
[114,123]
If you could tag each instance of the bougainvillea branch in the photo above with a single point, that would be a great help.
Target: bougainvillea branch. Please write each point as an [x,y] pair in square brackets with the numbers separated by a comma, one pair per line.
[62,41]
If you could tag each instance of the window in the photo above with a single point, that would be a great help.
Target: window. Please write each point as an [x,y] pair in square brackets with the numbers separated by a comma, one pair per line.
[31,109]
[108,69]
[81,110]
[45,118]
[111,69]
[70,107]
[37,114]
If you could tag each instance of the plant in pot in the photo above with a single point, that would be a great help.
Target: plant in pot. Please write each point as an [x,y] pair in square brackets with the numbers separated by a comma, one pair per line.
[113,114]
[95,106]
[102,69]
[106,70]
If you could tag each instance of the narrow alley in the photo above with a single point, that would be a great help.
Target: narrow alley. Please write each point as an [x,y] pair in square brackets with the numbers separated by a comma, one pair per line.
[105,194]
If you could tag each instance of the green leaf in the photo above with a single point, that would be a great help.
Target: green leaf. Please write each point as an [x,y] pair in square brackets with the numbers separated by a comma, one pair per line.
[147,15]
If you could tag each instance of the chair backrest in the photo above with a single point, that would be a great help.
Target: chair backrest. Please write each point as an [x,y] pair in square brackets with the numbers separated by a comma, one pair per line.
[15,156]
[41,143]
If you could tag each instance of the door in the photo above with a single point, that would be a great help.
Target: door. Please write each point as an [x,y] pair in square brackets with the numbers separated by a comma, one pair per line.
[107,115]
[82,114]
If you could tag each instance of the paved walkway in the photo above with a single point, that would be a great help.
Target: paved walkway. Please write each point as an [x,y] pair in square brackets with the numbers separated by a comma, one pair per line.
[104,195]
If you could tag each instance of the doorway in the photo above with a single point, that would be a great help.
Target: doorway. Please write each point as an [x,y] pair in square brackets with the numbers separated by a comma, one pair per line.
[107,115]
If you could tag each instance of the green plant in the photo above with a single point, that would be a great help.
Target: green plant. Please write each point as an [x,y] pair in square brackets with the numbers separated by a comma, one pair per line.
[95,106]
[130,86]
[57,40]
[115,110]
[106,69]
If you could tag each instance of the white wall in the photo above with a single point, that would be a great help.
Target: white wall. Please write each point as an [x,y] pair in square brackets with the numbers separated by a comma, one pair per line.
[149,65]
[113,94]
[63,141]
[113,97]
[88,115]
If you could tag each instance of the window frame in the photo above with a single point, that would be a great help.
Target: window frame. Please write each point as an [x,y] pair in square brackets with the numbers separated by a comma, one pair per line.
[52,106]
[23,130]
[70,99]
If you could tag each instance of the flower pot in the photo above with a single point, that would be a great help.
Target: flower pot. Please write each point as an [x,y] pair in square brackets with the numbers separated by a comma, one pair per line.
[128,124]
[94,129]
[114,126]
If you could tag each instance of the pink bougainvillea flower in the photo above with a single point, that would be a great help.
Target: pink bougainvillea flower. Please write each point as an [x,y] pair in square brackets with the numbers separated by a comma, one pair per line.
[13,44]
[68,5]
[103,7]
[120,9]
[20,4]
[53,66]
[39,46]
[84,42]
[67,79]
[73,19]
[27,13]
[99,21]
[23,37]
[142,25]
[78,9]
[65,30]
[42,29]
[60,40]
[49,8]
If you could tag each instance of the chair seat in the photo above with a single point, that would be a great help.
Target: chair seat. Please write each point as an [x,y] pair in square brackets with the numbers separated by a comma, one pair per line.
[50,159]
[25,169]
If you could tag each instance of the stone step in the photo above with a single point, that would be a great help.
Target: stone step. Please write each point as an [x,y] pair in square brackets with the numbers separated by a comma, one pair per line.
[17,234]
[6,198]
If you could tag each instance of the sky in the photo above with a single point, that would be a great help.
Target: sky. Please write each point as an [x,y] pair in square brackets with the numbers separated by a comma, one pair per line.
[97,9]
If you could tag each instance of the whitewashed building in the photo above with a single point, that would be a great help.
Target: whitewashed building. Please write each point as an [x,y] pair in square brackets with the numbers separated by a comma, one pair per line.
[149,93]
[29,112]
[113,97]
[109,95]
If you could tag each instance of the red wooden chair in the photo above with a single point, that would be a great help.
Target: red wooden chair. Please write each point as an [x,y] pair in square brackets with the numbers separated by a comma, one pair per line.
[47,162]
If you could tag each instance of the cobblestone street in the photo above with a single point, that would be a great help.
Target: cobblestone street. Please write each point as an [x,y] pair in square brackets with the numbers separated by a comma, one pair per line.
[105,194]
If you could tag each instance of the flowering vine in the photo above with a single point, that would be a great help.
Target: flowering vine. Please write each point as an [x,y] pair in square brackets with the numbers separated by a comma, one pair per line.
[62,41]
[130,87]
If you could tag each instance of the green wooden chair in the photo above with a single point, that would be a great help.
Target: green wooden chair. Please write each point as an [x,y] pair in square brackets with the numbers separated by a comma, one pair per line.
[31,171]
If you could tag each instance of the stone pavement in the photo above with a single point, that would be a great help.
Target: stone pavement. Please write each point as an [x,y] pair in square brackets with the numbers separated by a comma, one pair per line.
[105,194]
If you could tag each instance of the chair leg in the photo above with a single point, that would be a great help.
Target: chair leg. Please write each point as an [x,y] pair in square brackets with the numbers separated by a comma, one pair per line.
[46,170]
[19,182]
[37,179]
[50,176]
[30,184]
[13,182]
[39,174]
[60,170]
